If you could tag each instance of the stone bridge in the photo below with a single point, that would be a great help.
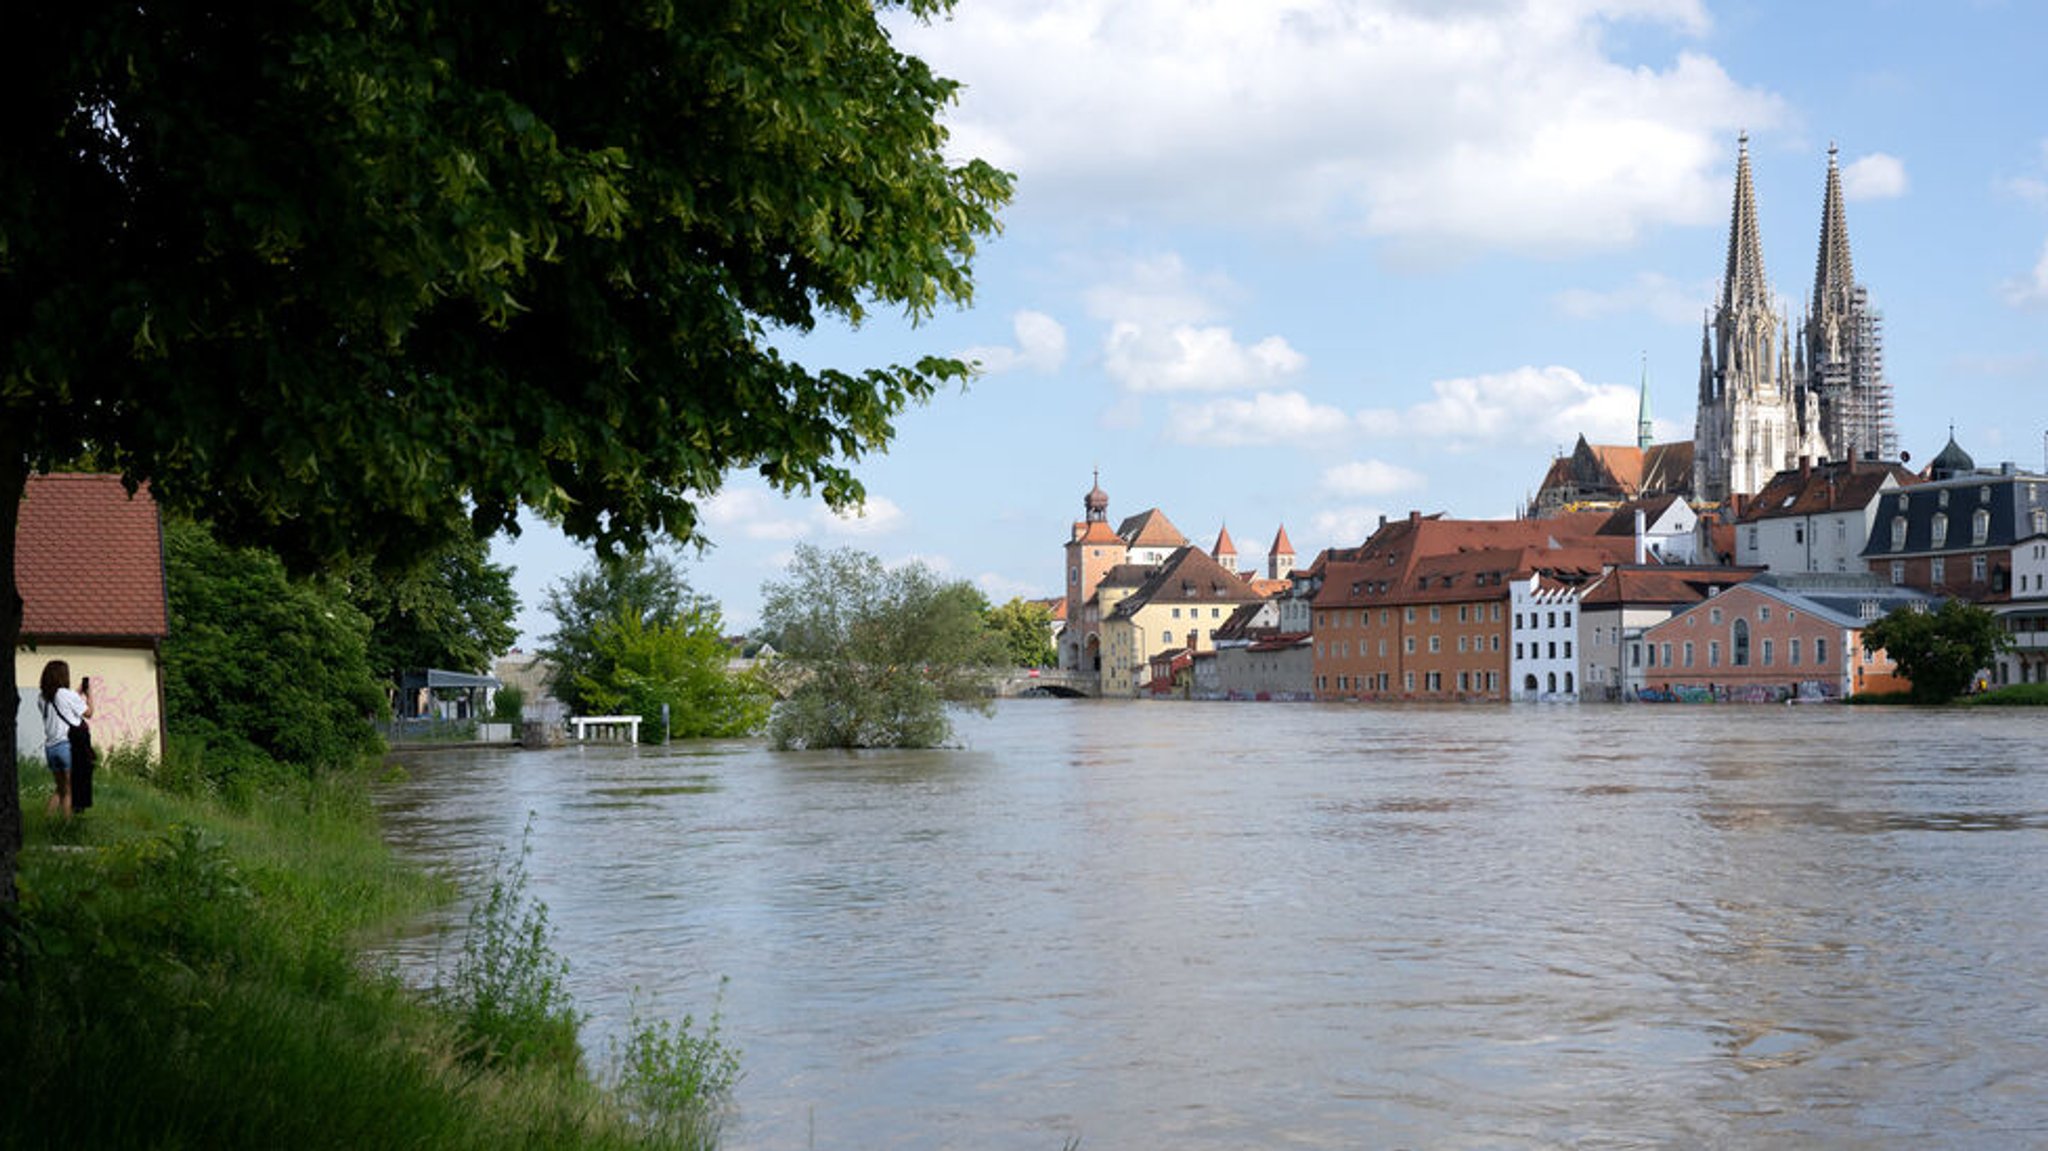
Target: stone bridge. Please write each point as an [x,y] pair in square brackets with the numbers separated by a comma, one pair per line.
[1047,681]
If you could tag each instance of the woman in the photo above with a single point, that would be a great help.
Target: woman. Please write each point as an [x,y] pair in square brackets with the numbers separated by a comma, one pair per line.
[63,709]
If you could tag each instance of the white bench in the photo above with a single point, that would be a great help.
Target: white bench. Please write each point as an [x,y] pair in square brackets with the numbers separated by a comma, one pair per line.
[608,727]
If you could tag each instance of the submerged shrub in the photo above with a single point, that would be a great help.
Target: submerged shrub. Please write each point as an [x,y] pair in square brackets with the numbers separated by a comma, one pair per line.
[510,987]
[675,1081]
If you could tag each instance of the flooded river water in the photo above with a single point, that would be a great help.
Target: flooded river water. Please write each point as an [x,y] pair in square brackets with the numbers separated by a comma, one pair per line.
[1181,925]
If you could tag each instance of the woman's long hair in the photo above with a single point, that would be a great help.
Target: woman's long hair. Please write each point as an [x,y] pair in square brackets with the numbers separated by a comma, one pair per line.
[56,674]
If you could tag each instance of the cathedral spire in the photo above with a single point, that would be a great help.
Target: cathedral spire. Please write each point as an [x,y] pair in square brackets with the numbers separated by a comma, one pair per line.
[1834,276]
[1643,433]
[1746,284]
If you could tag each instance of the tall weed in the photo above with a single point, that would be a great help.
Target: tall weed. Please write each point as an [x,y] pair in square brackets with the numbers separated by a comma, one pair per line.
[674,1080]
[510,986]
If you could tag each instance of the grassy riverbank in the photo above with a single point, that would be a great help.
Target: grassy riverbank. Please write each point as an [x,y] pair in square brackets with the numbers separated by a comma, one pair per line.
[187,973]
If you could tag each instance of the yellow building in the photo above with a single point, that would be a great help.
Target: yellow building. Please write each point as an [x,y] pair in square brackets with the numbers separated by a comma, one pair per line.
[1177,605]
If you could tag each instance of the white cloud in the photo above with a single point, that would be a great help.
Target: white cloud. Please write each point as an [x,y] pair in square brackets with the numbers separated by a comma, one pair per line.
[1192,359]
[2030,290]
[1874,177]
[1041,346]
[1512,123]
[1527,405]
[1346,526]
[1370,478]
[1002,589]
[1162,337]
[875,517]
[1650,293]
[1265,419]
[759,514]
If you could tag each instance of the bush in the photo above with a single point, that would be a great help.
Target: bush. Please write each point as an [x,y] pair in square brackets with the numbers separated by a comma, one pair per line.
[508,705]
[509,989]
[2013,695]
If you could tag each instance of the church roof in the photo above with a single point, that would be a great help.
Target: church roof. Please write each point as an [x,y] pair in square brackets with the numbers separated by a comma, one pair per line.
[1223,545]
[1282,546]
[1953,461]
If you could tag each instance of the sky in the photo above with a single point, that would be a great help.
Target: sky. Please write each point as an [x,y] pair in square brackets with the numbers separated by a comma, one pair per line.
[1305,263]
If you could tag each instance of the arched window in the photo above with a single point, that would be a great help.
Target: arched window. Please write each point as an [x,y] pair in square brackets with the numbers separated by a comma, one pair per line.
[1741,644]
[1899,533]
[1938,531]
[1568,688]
[1980,526]
[1553,681]
[1529,682]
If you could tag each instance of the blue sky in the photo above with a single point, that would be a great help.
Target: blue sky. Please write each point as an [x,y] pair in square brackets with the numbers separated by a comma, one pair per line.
[1307,262]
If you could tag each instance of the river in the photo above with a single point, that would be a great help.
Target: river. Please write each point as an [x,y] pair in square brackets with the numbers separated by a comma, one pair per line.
[1149,925]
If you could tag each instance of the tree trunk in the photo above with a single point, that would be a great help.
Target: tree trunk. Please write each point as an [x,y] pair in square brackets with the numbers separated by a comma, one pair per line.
[13,482]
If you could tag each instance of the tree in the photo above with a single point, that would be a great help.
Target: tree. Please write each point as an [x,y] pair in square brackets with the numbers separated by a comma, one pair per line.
[266,671]
[680,664]
[341,277]
[1940,651]
[878,653]
[1026,628]
[452,611]
[642,587]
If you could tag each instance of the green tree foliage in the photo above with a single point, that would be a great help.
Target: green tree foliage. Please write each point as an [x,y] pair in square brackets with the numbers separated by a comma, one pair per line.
[877,653]
[264,669]
[341,276]
[1026,628]
[680,662]
[644,586]
[1940,651]
[454,611]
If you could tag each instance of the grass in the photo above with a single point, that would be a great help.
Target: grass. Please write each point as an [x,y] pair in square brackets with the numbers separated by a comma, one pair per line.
[187,972]
[2012,695]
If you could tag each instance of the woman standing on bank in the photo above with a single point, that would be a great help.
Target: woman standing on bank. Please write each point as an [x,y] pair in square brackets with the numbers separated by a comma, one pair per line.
[63,709]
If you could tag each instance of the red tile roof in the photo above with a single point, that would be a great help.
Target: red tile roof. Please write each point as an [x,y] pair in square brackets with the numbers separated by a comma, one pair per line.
[89,559]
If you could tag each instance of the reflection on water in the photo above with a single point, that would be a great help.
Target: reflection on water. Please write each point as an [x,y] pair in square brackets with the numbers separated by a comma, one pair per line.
[1226,926]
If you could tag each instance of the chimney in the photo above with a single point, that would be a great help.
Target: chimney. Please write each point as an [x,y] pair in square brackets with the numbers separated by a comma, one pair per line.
[1414,516]
[1805,466]
[1640,558]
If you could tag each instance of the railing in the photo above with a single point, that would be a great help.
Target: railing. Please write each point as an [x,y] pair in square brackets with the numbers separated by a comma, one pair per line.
[606,727]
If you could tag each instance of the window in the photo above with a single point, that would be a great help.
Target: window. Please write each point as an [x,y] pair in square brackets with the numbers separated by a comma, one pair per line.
[1495,644]
[1408,681]
[1436,614]
[1653,655]
[1165,637]
[1980,526]
[1434,681]
[1462,617]
[1763,613]
[1713,653]
[1176,613]
[1820,650]
[1898,571]
[1408,614]
[1461,645]
[1977,567]
[1768,657]
[1635,653]
[1569,687]
[1073,575]
[1553,649]
[1739,642]
[1408,644]
[1567,617]
[1792,650]
[1688,653]
[1666,654]
[1436,643]
[1899,533]
[1938,531]
[1464,681]
[1518,621]
[1551,621]
[1937,571]
[1567,649]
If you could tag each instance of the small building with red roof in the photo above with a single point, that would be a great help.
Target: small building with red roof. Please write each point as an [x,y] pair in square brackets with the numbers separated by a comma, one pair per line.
[89,564]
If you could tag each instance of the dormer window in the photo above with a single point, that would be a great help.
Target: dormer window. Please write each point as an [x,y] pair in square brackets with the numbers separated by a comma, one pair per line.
[1938,533]
[1980,526]
[1899,533]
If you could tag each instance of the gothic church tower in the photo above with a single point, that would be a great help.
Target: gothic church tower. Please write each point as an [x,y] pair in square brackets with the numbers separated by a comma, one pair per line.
[1842,346]
[1756,417]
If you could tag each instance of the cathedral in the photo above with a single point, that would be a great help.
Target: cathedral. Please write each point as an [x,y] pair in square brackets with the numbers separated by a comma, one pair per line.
[1766,399]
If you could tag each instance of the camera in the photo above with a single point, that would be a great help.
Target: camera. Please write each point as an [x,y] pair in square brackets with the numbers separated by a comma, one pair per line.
[85,686]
